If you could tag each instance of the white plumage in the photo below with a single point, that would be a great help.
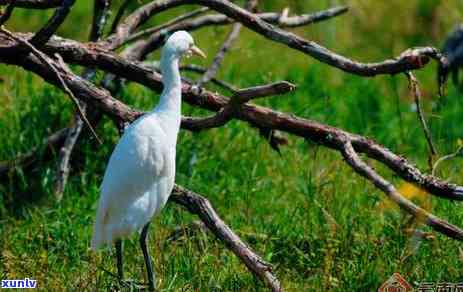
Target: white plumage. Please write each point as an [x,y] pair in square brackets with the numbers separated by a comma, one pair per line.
[141,171]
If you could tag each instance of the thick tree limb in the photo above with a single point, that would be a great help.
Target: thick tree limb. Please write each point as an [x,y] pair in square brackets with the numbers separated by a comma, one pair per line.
[200,206]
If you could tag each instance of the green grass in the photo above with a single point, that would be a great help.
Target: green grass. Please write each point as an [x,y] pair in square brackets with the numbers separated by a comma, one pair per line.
[320,224]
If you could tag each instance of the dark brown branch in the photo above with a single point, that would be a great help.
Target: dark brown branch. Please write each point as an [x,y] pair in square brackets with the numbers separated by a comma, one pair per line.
[409,60]
[416,92]
[367,172]
[200,206]
[44,34]
[33,4]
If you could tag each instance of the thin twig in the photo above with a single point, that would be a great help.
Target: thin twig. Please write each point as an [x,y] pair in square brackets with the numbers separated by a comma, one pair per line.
[458,153]
[416,92]
[44,58]
[367,172]
[165,25]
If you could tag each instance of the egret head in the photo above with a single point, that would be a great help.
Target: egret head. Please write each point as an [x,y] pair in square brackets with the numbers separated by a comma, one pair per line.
[180,44]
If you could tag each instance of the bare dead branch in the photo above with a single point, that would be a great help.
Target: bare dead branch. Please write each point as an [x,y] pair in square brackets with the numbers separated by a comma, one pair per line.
[143,47]
[416,92]
[44,34]
[257,116]
[136,19]
[33,4]
[200,206]
[367,172]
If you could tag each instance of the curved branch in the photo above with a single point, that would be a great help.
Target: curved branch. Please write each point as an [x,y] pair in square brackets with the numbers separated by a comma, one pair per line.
[143,47]
[200,206]
[367,172]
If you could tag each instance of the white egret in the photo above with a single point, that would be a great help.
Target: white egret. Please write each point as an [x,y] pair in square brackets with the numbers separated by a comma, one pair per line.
[141,171]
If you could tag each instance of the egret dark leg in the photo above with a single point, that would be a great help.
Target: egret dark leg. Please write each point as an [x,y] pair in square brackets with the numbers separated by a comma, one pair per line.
[148,264]
[120,270]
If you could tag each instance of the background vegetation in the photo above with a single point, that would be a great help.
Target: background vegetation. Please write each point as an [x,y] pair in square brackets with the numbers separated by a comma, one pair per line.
[305,211]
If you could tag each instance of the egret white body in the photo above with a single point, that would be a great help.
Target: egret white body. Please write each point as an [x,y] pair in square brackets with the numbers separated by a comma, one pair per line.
[140,174]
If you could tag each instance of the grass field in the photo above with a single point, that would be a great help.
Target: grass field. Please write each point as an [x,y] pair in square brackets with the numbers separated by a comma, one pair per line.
[322,226]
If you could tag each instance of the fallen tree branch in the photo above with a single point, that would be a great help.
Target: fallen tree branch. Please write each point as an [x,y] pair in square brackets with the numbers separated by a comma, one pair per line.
[367,172]
[200,206]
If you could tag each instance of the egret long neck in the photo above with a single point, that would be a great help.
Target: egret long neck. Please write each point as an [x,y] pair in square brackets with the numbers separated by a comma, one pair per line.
[172,93]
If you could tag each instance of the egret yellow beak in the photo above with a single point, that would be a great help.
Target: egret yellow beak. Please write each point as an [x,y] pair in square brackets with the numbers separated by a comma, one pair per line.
[197,51]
